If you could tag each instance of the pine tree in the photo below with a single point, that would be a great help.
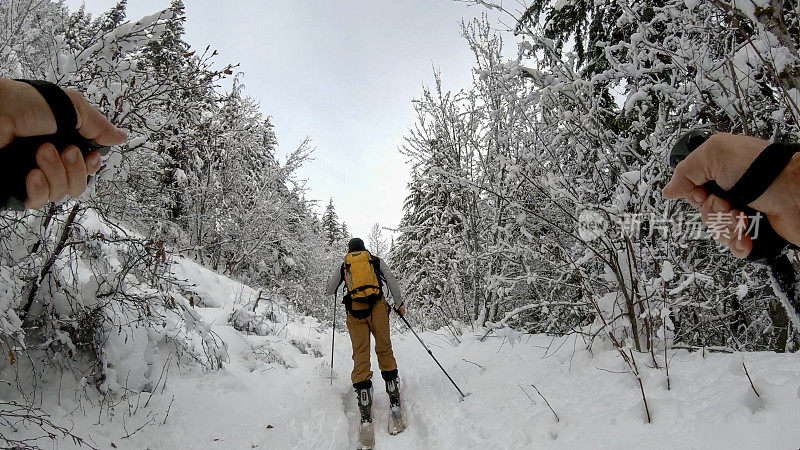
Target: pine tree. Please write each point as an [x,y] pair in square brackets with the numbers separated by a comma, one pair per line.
[330,224]
[112,18]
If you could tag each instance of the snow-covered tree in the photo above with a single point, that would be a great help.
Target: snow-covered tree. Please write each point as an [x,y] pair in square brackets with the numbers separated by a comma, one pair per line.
[563,155]
[330,224]
[93,278]
[376,242]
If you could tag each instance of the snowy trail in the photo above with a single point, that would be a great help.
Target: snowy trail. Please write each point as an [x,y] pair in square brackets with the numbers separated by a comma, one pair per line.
[275,393]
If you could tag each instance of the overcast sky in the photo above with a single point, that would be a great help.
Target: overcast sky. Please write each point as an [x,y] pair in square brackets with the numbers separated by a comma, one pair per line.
[342,73]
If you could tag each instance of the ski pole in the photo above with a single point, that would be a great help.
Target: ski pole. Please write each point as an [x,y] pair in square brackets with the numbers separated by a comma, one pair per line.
[333,334]
[430,353]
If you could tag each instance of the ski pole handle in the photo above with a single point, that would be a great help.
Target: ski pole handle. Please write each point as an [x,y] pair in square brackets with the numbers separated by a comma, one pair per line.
[688,143]
[18,158]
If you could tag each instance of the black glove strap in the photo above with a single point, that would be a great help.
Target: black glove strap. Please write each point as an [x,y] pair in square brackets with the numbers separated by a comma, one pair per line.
[764,170]
[60,104]
[761,174]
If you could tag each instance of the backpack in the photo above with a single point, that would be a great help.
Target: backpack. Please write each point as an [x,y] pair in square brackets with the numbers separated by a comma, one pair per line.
[362,276]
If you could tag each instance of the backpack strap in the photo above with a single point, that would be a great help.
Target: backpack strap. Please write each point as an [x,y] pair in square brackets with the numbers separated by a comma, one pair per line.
[376,266]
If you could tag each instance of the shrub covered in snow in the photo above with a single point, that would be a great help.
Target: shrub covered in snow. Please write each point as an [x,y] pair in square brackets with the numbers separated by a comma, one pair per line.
[535,197]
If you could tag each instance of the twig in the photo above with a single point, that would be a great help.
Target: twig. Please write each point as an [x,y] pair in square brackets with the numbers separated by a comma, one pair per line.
[548,403]
[751,380]
[14,415]
[257,299]
[666,360]
[149,421]
[487,334]
[168,410]
[526,393]
[612,371]
[641,386]
[466,360]
[34,283]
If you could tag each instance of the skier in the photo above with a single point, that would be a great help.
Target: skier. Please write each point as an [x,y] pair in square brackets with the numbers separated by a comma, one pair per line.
[368,312]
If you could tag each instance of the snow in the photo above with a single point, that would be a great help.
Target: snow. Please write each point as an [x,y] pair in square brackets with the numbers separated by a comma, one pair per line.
[633,98]
[691,4]
[667,271]
[275,393]
[561,4]
[747,7]
[209,362]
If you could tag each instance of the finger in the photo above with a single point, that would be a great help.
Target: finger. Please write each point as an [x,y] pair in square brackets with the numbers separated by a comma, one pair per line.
[94,125]
[691,173]
[36,186]
[92,162]
[698,196]
[727,226]
[75,167]
[6,131]
[24,112]
[49,162]
[716,214]
[741,248]
[742,244]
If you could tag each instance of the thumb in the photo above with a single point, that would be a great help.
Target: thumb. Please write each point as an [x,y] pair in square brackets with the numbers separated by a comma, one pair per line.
[690,174]
[678,187]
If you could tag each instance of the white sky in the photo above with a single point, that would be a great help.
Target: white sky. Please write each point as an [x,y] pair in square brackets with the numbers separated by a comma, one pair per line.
[340,72]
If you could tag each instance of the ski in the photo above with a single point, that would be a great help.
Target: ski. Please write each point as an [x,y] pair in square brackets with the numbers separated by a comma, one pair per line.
[366,432]
[397,421]
[366,436]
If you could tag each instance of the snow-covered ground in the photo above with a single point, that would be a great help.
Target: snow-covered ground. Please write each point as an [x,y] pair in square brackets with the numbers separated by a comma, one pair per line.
[276,393]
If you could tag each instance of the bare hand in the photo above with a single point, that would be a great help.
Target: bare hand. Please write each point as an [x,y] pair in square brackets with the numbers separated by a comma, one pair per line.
[724,158]
[23,113]
[401,310]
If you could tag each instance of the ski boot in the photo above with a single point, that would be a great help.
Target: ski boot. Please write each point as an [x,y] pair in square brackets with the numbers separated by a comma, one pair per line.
[366,433]
[396,419]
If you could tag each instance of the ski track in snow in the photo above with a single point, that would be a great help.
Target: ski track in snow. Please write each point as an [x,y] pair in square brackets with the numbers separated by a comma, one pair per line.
[710,404]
